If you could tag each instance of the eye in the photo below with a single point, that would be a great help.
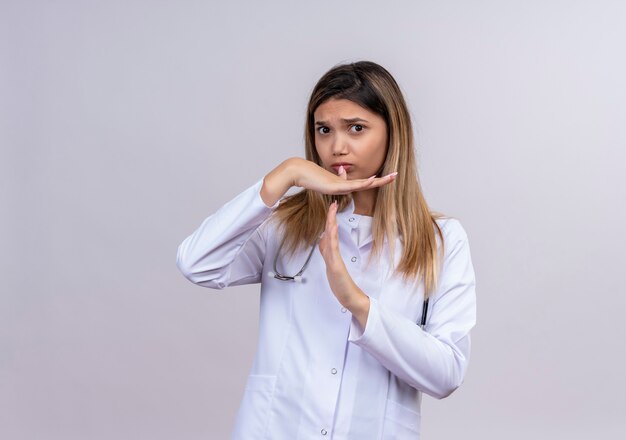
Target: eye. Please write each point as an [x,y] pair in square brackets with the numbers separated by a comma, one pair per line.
[357,127]
[323,130]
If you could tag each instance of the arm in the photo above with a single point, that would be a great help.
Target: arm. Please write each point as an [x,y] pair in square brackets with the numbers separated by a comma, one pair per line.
[435,361]
[228,247]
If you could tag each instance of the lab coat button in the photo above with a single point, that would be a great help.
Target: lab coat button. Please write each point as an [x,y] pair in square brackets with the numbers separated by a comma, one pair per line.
[353,259]
[351,219]
[324,432]
[344,310]
[333,371]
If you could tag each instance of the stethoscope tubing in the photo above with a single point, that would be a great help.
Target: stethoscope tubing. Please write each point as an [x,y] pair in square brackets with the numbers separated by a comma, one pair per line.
[297,276]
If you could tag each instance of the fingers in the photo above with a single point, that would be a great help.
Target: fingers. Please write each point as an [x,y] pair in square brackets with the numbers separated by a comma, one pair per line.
[388,178]
[349,186]
[329,242]
[374,181]
[331,221]
[342,173]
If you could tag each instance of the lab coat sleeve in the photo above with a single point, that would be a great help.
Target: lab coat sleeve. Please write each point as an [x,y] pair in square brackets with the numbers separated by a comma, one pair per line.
[433,360]
[229,246]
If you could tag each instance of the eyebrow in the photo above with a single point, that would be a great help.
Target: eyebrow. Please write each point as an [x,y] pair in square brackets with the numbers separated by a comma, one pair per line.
[347,121]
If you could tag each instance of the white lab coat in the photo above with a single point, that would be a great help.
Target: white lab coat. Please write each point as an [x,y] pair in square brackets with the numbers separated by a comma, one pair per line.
[316,375]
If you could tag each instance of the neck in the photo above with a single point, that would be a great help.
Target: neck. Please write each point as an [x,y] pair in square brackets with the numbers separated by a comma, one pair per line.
[365,201]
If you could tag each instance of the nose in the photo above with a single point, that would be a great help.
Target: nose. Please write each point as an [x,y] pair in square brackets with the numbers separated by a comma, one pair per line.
[339,146]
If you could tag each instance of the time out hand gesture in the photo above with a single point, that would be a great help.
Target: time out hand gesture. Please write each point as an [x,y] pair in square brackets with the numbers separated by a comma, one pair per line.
[300,172]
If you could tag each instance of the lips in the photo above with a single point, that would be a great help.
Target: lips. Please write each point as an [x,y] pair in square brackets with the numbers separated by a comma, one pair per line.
[346,166]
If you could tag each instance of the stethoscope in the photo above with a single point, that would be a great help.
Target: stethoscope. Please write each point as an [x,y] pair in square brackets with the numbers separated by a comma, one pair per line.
[298,278]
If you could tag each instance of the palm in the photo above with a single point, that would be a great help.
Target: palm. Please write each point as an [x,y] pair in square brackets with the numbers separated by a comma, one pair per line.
[312,176]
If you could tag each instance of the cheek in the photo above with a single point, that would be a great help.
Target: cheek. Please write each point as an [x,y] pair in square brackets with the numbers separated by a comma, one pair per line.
[377,147]
[322,148]
[378,155]
[383,145]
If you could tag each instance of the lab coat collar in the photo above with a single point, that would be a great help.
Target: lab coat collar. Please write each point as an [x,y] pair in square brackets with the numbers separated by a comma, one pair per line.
[349,220]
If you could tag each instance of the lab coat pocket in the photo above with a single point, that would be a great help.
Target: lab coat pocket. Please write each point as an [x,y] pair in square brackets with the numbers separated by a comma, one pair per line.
[401,422]
[253,416]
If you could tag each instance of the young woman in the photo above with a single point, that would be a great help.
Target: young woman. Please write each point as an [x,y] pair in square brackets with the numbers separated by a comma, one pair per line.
[367,297]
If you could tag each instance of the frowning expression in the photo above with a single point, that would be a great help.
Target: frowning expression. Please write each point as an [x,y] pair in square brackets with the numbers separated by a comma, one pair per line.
[348,134]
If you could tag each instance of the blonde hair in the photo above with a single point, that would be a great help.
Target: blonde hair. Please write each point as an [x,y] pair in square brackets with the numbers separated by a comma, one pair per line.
[400,209]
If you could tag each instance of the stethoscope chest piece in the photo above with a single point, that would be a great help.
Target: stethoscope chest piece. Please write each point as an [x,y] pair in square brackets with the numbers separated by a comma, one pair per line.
[297,277]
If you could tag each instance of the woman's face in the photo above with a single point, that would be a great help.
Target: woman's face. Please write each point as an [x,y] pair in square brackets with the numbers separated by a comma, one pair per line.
[348,134]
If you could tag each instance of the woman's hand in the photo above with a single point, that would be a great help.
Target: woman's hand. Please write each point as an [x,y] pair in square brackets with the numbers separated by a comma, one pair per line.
[340,281]
[296,171]
[311,176]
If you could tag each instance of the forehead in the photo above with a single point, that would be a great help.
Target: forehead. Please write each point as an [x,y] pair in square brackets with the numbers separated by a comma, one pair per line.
[342,109]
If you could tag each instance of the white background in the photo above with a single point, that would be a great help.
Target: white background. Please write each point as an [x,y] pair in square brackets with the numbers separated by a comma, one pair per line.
[123,124]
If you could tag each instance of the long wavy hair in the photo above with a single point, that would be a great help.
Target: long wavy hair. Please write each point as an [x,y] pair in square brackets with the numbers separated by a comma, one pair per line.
[400,209]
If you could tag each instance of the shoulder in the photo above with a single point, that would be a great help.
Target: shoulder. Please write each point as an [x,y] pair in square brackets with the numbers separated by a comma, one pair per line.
[453,233]
[451,227]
